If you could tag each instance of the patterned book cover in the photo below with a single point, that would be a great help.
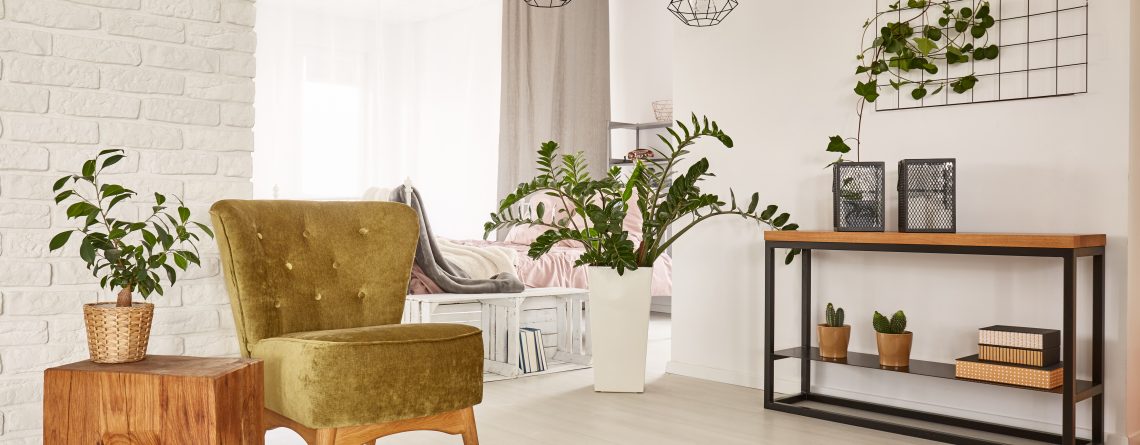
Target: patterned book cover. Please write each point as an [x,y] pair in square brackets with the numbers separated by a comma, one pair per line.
[1019,337]
[1048,377]
[1030,357]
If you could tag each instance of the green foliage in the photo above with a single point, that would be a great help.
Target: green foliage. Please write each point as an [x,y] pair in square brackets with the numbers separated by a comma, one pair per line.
[907,52]
[895,325]
[125,254]
[598,206]
[834,316]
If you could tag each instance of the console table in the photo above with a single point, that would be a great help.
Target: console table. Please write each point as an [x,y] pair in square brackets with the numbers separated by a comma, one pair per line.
[1068,248]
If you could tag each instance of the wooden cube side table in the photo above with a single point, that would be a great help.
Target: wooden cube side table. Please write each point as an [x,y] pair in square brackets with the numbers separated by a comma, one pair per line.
[163,400]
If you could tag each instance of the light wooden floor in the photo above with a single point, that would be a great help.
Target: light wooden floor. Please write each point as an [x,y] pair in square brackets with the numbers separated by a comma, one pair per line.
[562,409]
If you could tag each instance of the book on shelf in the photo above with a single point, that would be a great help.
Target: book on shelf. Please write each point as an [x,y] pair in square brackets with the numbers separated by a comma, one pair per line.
[1019,337]
[1047,377]
[532,357]
[1019,356]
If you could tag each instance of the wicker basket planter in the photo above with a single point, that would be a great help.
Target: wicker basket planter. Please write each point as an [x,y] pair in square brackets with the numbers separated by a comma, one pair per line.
[117,334]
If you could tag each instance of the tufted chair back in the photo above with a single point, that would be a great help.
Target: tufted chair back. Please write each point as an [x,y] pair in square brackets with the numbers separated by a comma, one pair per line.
[296,266]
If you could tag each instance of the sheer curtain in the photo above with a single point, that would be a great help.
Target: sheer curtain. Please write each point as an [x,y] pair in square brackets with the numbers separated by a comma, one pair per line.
[353,94]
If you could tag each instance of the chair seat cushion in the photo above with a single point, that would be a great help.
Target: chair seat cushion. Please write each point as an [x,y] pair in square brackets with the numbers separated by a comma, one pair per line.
[358,376]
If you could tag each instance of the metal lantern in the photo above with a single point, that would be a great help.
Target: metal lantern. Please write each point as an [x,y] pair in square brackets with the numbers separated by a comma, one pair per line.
[547,3]
[927,195]
[702,12]
[859,201]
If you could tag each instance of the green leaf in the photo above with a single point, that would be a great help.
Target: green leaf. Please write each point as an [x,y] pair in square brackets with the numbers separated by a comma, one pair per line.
[918,93]
[925,45]
[180,261]
[768,212]
[961,25]
[977,31]
[753,203]
[159,198]
[59,240]
[59,183]
[111,161]
[933,33]
[89,168]
[836,144]
[87,250]
[63,195]
[184,214]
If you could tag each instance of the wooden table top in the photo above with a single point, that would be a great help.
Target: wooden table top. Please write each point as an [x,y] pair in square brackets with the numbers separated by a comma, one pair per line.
[1030,240]
[170,365]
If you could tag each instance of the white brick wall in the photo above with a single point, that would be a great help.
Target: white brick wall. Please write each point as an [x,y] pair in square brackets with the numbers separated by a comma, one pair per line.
[171,81]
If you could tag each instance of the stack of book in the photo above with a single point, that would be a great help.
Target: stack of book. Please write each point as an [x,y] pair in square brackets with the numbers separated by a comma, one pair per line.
[1015,356]
[531,355]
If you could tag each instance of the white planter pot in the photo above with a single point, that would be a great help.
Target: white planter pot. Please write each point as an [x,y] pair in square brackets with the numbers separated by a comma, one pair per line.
[619,328]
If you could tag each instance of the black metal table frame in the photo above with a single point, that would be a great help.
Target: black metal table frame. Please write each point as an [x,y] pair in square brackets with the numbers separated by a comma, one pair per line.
[1069,394]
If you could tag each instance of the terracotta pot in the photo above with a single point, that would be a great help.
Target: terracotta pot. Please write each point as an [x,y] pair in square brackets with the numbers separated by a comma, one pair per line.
[833,341]
[117,334]
[894,349]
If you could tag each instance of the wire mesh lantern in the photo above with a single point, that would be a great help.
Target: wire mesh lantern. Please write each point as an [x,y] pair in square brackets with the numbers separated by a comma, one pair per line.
[859,202]
[547,3]
[702,12]
[927,195]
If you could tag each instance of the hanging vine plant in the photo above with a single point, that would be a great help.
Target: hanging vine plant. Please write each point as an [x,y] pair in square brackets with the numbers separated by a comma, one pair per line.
[906,52]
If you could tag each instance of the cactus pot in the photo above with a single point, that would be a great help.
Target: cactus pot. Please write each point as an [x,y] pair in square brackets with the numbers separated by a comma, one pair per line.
[894,349]
[833,341]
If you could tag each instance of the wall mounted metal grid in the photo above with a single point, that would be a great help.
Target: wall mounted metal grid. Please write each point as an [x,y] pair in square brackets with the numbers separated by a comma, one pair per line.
[1013,76]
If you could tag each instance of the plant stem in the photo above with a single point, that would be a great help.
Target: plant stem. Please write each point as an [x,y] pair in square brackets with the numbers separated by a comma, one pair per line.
[124,297]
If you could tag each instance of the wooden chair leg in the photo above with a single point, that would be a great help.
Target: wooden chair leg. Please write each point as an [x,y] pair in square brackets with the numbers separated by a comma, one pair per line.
[326,436]
[470,433]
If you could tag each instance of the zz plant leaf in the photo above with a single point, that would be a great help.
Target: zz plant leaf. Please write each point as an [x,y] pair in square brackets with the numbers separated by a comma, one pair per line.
[125,255]
[906,48]
[665,198]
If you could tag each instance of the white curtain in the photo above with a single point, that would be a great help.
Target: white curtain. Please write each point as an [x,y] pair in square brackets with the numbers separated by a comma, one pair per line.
[353,94]
[556,85]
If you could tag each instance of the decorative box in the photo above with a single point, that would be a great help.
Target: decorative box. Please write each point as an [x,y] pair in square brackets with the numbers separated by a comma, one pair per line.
[1019,356]
[858,190]
[927,195]
[972,368]
[1019,337]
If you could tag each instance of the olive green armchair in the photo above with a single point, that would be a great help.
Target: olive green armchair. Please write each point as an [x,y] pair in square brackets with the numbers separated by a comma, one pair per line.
[317,290]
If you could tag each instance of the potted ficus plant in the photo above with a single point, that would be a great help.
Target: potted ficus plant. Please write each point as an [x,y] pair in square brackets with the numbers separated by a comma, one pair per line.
[907,53]
[892,339]
[834,336]
[620,269]
[128,257]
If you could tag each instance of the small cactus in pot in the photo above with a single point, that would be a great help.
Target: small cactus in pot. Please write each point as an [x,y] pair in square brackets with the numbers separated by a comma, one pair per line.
[833,334]
[892,339]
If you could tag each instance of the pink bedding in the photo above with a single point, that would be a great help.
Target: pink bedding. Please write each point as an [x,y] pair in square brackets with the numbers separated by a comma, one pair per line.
[555,269]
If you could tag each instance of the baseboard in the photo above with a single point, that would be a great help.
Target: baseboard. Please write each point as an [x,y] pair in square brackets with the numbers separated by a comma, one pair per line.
[788,386]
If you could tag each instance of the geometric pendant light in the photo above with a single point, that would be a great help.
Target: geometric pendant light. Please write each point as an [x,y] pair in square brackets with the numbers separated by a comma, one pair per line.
[701,12]
[547,3]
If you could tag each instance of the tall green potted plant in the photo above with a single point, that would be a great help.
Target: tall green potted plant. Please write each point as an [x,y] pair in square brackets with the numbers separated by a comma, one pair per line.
[620,270]
[128,256]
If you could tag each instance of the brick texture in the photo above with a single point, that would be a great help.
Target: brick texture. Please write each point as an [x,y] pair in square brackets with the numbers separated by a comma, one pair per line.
[170,81]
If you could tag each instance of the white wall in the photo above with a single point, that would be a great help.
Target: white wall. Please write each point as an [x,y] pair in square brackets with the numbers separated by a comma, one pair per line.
[1046,165]
[641,58]
[170,81]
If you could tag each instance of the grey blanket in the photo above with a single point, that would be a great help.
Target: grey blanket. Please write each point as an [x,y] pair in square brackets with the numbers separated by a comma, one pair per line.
[446,275]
